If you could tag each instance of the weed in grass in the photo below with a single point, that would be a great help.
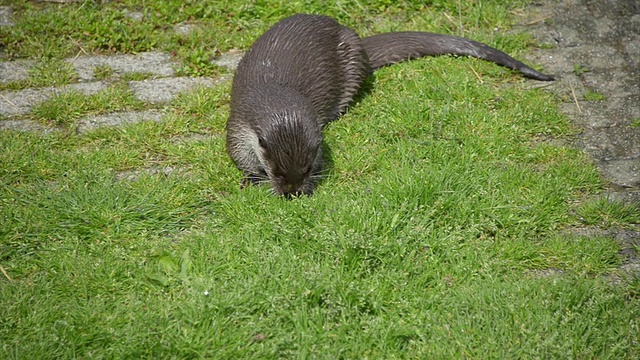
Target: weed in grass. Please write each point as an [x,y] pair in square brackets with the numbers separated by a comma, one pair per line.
[197,62]
[14,85]
[114,98]
[51,73]
[579,69]
[135,76]
[635,123]
[43,74]
[61,109]
[103,72]
[168,269]
[633,288]
[591,95]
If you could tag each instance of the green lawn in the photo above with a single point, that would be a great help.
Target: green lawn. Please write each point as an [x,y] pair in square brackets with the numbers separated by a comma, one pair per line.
[440,230]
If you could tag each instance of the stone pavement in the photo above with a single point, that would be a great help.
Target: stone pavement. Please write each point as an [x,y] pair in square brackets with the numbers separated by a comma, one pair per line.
[595,48]
[161,88]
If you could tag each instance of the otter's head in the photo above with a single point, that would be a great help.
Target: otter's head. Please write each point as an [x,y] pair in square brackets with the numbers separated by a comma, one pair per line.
[290,150]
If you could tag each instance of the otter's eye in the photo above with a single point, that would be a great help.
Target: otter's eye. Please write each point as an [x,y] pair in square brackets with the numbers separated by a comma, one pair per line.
[262,142]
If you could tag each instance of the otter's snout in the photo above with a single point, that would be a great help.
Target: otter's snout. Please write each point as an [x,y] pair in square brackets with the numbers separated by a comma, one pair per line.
[292,190]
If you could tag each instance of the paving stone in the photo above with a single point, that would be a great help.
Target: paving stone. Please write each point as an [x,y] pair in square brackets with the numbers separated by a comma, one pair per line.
[5,16]
[134,175]
[602,37]
[631,197]
[116,119]
[230,59]
[136,16]
[85,88]
[164,90]
[612,84]
[24,125]
[15,70]
[184,29]
[62,1]
[594,57]
[21,102]
[156,63]
[614,142]
[191,137]
[625,172]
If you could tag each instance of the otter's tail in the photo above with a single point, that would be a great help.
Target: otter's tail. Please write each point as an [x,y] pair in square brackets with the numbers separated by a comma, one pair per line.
[389,48]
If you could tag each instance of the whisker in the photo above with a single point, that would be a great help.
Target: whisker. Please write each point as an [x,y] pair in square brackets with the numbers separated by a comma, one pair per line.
[263,181]
[318,176]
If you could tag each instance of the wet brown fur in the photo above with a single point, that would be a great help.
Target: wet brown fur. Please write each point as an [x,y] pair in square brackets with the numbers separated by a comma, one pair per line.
[302,73]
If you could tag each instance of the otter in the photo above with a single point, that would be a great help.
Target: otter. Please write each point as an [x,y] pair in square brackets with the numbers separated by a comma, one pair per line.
[304,72]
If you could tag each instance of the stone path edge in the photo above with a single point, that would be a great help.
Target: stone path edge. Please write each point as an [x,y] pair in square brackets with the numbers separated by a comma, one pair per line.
[161,89]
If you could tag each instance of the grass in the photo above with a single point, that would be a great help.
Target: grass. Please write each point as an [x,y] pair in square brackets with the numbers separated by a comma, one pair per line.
[606,212]
[580,69]
[50,73]
[65,108]
[591,95]
[439,232]
[103,72]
